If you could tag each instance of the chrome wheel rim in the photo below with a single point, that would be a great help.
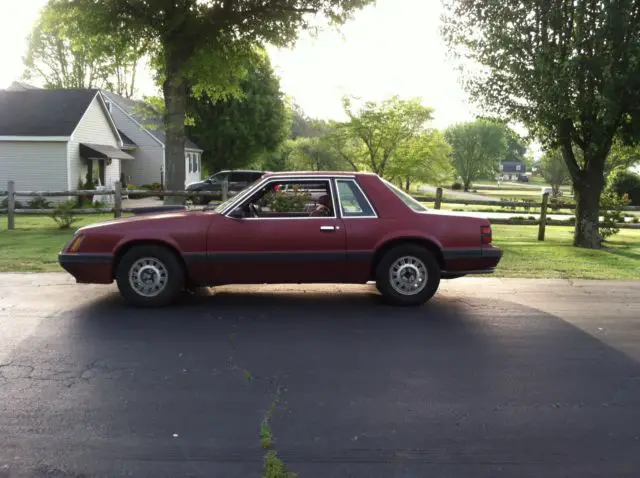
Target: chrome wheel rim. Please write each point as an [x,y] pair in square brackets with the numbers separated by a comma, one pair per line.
[408,275]
[148,277]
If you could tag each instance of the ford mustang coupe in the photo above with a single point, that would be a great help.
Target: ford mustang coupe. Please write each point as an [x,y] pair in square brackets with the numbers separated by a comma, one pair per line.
[295,227]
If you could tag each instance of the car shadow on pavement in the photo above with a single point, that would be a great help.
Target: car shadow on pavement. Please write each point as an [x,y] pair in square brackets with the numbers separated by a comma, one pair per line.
[465,387]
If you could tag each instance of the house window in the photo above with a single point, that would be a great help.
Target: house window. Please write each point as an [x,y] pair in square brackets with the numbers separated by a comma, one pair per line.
[188,159]
[517,167]
[197,161]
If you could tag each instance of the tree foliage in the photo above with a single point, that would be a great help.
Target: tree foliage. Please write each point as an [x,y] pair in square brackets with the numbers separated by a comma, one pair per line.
[554,170]
[570,71]
[477,148]
[623,182]
[62,54]
[425,158]
[236,131]
[383,128]
[200,43]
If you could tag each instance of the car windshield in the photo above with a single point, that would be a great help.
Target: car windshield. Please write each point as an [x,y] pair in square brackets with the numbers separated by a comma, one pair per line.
[405,198]
[218,177]
[223,205]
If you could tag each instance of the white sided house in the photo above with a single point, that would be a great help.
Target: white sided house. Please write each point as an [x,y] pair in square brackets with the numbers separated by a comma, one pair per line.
[58,140]
[142,130]
[139,134]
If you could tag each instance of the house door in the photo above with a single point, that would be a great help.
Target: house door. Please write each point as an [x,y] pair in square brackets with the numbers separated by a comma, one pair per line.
[97,171]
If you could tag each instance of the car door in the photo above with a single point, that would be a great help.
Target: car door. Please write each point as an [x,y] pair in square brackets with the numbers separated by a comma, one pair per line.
[297,249]
[363,228]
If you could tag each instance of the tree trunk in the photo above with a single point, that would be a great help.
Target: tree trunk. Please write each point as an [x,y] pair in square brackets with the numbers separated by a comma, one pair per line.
[587,193]
[467,185]
[175,100]
[407,184]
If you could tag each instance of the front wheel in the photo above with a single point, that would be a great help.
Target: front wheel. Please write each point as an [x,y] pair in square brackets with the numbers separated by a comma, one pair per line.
[150,276]
[408,275]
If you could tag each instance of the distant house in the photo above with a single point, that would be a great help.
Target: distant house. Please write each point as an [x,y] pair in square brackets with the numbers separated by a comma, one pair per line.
[140,129]
[55,139]
[512,170]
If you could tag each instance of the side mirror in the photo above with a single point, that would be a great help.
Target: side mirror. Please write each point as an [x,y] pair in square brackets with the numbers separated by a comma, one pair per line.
[237,213]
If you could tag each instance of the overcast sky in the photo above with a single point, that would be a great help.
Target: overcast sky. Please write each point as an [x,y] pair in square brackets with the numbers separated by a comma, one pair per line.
[391,48]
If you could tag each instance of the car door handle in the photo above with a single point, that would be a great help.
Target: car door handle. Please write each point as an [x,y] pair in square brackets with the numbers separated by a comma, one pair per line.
[329,228]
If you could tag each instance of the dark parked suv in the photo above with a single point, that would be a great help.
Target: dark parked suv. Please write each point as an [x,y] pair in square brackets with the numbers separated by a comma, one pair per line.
[238,180]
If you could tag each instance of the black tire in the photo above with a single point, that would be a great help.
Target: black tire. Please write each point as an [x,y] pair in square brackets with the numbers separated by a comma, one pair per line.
[175,275]
[200,200]
[383,279]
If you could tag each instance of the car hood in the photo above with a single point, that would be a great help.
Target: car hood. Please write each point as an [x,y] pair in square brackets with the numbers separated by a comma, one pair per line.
[144,219]
[198,184]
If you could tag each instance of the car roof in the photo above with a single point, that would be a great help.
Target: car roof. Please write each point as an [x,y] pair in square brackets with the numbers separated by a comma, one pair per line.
[239,171]
[317,173]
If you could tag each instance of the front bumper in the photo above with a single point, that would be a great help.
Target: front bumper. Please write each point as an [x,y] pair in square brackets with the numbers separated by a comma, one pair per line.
[88,268]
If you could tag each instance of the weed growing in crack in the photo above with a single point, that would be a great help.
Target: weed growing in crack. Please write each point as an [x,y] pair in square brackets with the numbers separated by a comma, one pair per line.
[274,467]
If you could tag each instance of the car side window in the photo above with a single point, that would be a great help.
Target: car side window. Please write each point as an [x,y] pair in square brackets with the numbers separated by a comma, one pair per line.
[353,202]
[291,199]
[236,177]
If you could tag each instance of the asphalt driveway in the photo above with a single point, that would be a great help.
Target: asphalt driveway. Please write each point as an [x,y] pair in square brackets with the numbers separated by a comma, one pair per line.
[494,377]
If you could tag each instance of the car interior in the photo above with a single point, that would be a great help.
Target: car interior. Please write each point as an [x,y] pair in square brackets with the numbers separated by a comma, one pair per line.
[294,199]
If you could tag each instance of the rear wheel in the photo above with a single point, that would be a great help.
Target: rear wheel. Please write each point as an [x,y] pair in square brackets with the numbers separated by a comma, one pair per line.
[408,275]
[150,276]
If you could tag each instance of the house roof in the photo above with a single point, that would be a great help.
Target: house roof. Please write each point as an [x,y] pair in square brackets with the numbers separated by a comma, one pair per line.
[147,116]
[126,141]
[512,166]
[39,112]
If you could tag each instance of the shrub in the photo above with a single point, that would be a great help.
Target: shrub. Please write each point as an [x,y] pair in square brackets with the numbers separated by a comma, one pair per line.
[39,203]
[624,182]
[457,186]
[64,214]
[5,204]
[611,204]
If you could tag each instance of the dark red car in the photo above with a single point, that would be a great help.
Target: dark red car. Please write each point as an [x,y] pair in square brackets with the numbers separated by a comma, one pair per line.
[287,228]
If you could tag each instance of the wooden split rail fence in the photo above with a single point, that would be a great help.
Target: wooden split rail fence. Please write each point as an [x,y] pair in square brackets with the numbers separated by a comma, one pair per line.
[117,210]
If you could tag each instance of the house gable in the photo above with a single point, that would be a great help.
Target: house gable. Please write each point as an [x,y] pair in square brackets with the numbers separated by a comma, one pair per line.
[96,127]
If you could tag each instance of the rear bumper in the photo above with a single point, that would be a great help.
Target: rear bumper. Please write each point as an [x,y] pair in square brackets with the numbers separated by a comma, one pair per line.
[88,268]
[472,261]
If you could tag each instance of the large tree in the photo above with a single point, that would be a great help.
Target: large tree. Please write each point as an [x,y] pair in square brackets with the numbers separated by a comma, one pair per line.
[383,128]
[569,70]
[199,41]
[477,148]
[61,54]
[235,131]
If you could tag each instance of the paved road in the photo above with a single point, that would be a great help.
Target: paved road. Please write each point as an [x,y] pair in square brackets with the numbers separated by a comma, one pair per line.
[495,377]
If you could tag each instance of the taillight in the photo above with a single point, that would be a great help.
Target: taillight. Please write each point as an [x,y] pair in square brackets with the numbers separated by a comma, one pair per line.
[485,235]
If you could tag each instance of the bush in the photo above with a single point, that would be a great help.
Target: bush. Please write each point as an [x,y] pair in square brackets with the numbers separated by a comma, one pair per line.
[39,203]
[611,205]
[64,214]
[623,182]
[457,186]
[5,204]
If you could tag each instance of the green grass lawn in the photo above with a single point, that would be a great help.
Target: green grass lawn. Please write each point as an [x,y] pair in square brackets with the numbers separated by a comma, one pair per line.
[34,245]
[525,256]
